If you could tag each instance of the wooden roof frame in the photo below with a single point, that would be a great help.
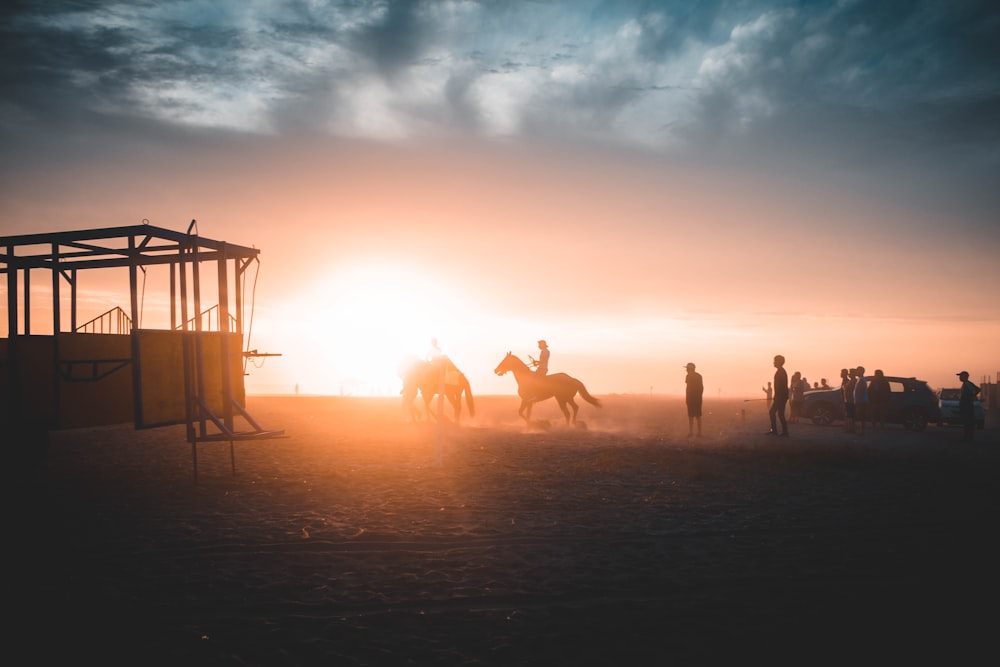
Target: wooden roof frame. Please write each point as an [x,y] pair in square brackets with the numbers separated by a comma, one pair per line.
[134,247]
[137,246]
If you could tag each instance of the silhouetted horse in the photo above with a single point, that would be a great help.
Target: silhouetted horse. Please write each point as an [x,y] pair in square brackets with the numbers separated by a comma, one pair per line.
[426,377]
[533,389]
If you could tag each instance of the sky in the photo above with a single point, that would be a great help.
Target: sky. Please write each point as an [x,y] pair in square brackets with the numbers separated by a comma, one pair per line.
[641,184]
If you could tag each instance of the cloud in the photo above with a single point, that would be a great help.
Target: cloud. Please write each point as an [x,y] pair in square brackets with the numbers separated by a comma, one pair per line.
[899,86]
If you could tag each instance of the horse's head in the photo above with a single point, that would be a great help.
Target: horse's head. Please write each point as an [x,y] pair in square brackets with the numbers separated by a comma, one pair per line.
[504,365]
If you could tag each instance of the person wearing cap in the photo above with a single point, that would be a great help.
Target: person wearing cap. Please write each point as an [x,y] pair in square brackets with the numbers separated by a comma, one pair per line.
[542,363]
[967,406]
[693,394]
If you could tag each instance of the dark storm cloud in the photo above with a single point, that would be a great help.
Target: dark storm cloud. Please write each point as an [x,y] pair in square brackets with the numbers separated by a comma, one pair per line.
[912,68]
[830,83]
[395,38]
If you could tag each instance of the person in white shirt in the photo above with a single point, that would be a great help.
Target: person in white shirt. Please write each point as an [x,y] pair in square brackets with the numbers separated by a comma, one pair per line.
[542,363]
[860,400]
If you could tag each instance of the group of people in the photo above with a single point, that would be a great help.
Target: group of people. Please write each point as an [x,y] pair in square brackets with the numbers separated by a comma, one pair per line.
[865,399]
[798,386]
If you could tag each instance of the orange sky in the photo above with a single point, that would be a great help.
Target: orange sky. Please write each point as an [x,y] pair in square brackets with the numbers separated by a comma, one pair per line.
[628,268]
[641,184]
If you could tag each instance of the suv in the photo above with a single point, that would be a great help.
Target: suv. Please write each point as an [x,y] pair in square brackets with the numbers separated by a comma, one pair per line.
[949,408]
[912,403]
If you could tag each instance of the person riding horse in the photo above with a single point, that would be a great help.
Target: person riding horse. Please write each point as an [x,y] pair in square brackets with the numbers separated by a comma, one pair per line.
[429,378]
[542,363]
[532,388]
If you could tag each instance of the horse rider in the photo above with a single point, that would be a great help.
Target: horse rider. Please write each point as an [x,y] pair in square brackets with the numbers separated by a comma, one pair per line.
[542,363]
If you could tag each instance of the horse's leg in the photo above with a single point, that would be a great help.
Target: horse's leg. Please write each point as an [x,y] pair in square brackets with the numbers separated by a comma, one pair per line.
[410,409]
[525,410]
[428,399]
[565,410]
[456,404]
[575,408]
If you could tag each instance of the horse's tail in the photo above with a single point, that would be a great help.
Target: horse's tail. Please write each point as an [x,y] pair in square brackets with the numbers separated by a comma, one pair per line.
[467,388]
[585,395]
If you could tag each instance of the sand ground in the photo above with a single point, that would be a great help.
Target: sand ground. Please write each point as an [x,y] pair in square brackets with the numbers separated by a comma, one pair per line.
[361,538]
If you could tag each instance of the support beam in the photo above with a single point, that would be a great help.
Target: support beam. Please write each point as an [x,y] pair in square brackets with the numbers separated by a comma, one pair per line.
[56,328]
[224,336]
[133,285]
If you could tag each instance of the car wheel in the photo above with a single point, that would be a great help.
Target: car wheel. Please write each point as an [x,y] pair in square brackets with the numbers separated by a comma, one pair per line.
[914,419]
[822,414]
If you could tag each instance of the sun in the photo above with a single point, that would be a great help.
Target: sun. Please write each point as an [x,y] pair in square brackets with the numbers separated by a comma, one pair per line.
[370,316]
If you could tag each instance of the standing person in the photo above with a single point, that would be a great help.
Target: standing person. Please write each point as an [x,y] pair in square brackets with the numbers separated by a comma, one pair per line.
[777,410]
[798,395]
[967,406]
[879,394]
[693,394]
[769,394]
[860,399]
[542,363]
[847,386]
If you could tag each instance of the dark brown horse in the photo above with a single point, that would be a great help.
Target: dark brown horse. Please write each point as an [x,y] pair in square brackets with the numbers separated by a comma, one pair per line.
[532,388]
[427,377]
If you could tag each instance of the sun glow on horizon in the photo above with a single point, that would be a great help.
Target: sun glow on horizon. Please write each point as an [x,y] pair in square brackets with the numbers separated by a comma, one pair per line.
[366,318]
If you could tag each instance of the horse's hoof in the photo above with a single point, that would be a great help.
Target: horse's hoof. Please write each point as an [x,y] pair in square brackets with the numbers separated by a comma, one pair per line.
[580,425]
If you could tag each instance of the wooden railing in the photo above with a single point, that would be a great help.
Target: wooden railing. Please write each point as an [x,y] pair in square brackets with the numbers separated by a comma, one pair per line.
[114,321]
[207,318]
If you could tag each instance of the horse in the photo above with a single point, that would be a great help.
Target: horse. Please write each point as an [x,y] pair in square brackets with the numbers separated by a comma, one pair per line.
[533,388]
[425,377]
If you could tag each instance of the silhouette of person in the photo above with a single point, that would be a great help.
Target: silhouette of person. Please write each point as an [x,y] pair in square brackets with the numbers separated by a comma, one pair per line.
[967,406]
[434,352]
[847,381]
[797,389]
[860,399]
[777,411]
[823,384]
[768,393]
[693,395]
[879,394]
[542,363]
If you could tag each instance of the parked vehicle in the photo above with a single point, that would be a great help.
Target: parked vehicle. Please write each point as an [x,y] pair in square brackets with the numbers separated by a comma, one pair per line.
[912,403]
[948,402]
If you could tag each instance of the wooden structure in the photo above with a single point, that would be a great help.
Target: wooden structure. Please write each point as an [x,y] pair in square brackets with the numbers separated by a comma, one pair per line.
[110,370]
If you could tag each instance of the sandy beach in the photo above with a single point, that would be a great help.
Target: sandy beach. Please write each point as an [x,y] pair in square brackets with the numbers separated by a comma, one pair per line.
[363,539]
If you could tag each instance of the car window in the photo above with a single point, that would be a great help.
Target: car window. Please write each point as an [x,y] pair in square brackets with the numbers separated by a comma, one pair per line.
[896,387]
[951,394]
